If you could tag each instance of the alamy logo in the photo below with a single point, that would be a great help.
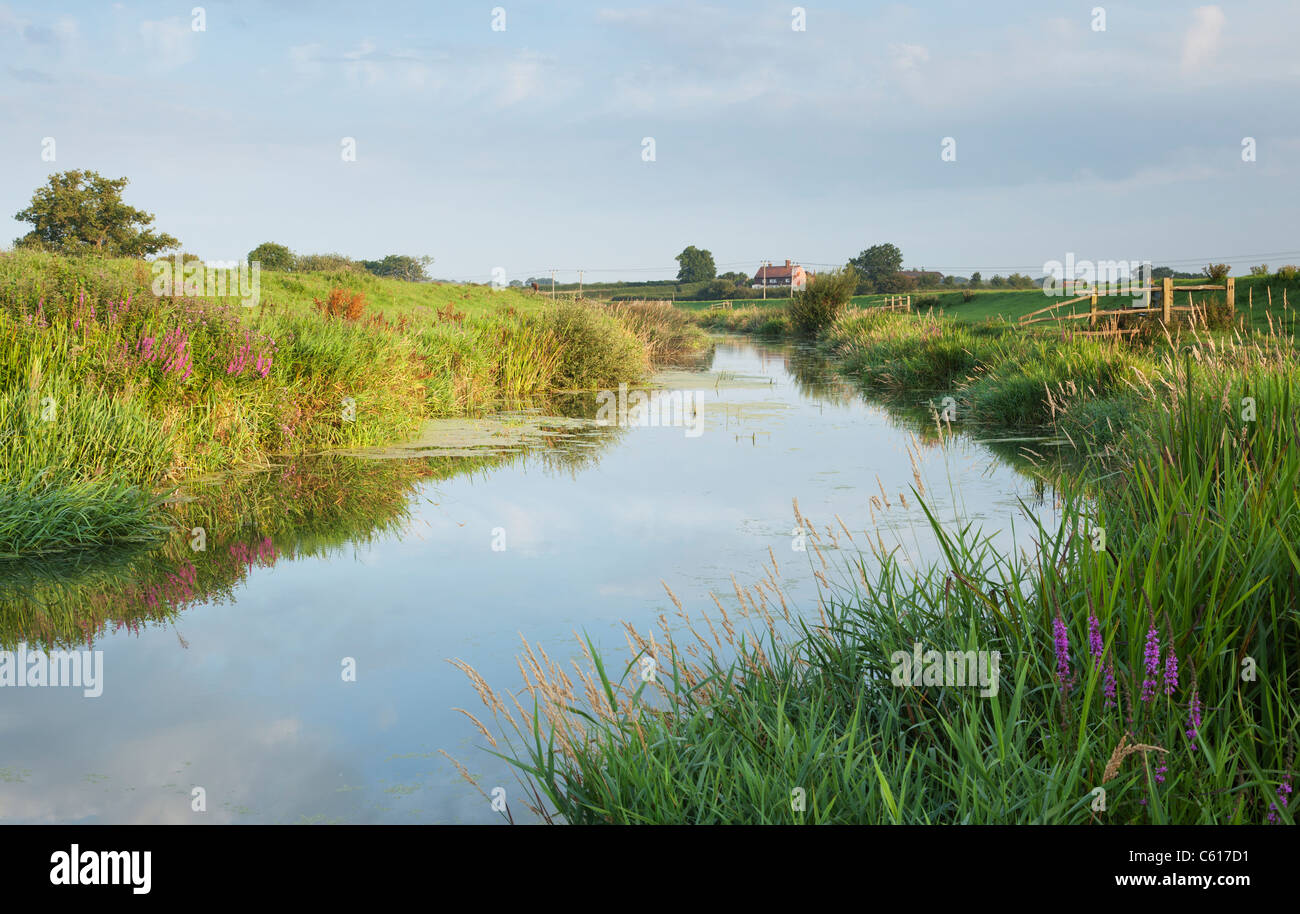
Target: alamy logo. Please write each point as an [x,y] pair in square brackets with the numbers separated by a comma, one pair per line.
[1105,277]
[78,669]
[78,867]
[947,668]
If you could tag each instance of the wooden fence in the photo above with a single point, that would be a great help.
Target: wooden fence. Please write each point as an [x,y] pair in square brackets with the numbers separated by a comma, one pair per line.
[896,303]
[1167,308]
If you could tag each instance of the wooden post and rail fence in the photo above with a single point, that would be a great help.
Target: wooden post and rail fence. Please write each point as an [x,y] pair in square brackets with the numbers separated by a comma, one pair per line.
[1167,307]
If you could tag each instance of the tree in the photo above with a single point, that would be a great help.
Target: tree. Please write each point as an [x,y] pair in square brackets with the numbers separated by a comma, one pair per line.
[976,280]
[950,280]
[894,283]
[272,256]
[878,262]
[83,212]
[740,279]
[1216,272]
[695,265]
[400,266]
[997,282]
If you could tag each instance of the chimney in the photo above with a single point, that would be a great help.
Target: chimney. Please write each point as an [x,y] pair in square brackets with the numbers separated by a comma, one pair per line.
[787,262]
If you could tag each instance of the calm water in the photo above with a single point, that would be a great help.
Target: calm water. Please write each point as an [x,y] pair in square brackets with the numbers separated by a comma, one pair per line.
[222,668]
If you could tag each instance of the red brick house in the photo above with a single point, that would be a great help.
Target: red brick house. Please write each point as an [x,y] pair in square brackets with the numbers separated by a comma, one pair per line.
[791,276]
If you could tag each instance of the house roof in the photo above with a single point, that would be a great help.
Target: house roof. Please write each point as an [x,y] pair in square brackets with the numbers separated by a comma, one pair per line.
[785,272]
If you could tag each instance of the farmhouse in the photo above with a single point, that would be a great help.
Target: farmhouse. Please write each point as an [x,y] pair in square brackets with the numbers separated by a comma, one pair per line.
[791,276]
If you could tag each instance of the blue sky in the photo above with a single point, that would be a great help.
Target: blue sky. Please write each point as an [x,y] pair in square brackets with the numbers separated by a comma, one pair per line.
[523,149]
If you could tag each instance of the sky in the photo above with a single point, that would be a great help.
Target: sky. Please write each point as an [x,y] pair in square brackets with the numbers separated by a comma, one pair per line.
[524,136]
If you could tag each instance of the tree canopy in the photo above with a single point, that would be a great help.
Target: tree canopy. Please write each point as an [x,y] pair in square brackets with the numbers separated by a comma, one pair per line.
[272,256]
[83,212]
[879,262]
[695,265]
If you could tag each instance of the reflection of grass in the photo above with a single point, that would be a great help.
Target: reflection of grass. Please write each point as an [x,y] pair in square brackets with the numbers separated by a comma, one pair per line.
[313,506]
[308,508]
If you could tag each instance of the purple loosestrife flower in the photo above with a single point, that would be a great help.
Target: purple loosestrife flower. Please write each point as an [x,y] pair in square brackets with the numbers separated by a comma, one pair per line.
[1152,658]
[1171,671]
[1160,773]
[1110,684]
[1283,791]
[1095,642]
[1194,717]
[1062,654]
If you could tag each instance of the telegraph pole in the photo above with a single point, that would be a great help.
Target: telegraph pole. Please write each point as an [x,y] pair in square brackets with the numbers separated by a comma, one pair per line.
[552,284]
[579,284]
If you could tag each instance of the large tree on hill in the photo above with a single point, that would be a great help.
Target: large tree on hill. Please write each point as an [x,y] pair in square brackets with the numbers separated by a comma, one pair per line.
[878,262]
[83,212]
[695,265]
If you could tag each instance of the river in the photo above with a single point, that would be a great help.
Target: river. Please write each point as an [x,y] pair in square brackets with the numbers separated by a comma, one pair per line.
[283,659]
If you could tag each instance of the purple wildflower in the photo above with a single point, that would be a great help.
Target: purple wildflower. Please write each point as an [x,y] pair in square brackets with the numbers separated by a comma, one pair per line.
[1283,791]
[1062,655]
[1160,773]
[1110,684]
[1171,671]
[1194,717]
[1095,643]
[1152,658]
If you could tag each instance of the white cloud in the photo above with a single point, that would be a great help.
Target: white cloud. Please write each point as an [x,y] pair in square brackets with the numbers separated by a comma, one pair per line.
[1202,39]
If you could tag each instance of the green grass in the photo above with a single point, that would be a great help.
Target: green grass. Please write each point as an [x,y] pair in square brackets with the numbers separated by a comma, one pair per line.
[150,389]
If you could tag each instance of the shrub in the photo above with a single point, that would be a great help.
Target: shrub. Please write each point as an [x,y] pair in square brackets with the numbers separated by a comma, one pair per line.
[895,283]
[1217,272]
[819,305]
[928,301]
[325,263]
[967,295]
[272,256]
[1261,270]
[594,347]
[1288,273]
[342,303]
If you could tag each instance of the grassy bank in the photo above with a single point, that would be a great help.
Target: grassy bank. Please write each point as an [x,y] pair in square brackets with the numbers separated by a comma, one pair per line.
[1146,647]
[111,392]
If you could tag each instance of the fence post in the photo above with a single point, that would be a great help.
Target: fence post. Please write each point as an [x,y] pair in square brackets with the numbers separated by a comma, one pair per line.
[1166,299]
[1092,314]
[1232,296]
